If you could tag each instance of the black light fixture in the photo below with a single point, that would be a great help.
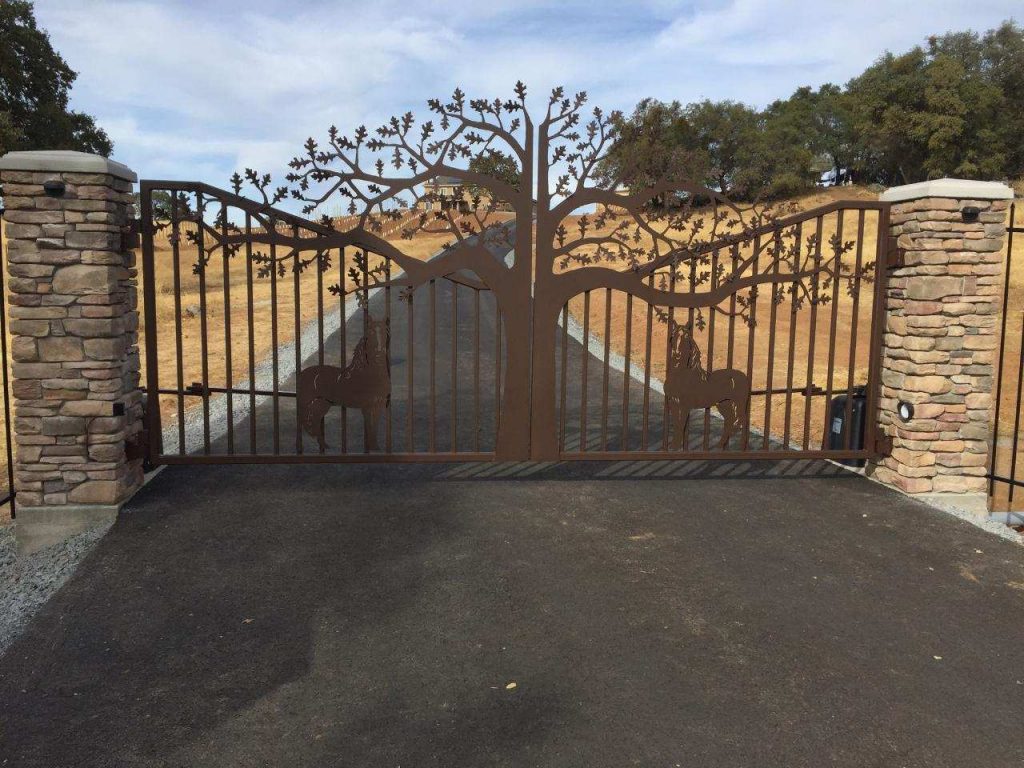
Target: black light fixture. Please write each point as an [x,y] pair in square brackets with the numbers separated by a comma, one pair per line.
[970,213]
[54,188]
[905,410]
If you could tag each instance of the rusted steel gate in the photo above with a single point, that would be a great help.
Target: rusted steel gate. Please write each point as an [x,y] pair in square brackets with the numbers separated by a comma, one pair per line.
[597,321]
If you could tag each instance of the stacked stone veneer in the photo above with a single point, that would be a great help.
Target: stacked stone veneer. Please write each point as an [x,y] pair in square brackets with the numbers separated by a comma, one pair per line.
[941,334]
[73,320]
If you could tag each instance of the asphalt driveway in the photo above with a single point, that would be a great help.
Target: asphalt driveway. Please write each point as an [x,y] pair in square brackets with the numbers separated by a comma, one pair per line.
[700,615]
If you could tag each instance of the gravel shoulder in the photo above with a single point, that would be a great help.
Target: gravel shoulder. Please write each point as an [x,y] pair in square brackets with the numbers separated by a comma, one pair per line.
[28,581]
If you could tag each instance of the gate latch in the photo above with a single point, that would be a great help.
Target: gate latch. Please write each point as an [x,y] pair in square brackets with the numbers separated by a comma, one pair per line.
[197,388]
[130,235]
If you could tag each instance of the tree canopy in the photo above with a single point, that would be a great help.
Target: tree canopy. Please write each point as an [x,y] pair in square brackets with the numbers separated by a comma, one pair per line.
[655,142]
[495,164]
[951,107]
[35,83]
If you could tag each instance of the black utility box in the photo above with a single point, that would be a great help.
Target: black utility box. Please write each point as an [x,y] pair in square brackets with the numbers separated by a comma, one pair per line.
[837,428]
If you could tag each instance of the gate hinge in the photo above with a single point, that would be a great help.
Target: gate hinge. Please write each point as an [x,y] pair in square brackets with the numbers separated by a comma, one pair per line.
[883,445]
[137,446]
[895,256]
[130,235]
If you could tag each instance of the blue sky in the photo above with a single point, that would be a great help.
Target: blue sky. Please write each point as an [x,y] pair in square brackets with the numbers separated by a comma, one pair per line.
[191,89]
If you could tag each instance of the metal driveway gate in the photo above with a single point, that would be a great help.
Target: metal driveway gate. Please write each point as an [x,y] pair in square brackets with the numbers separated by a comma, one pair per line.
[476,287]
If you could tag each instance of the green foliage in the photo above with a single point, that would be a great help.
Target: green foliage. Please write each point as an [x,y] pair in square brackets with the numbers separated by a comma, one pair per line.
[496,165]
[1003,50]
[656,142]
[935,112]
[9,135]
[723,132]
[954,107]
[781,159]
[721,145]
[161,201]
[34,86]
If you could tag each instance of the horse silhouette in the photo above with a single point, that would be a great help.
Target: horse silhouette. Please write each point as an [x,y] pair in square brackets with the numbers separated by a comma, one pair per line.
[689,386]
[365,383]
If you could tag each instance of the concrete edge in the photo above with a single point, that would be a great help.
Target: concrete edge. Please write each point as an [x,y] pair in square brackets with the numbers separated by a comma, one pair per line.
[36,528]
[1007,518]
[960,189]
[66,161]
[975,504]
[970,507]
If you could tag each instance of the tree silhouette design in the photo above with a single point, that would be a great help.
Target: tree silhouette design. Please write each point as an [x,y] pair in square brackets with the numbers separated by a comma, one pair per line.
[662,243]
[381,176]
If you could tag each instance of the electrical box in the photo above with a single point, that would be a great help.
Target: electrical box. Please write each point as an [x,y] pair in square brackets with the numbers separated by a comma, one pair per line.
[837,427]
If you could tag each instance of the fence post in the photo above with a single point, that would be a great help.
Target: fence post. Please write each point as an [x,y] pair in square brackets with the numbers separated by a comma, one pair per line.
[74,345]
[941,334]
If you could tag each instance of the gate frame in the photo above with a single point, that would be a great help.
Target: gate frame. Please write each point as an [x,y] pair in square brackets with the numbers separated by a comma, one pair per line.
[876,443]
[545,300]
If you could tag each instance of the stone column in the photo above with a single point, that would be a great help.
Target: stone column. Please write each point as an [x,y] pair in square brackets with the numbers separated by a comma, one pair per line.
[941,336]
[74,344]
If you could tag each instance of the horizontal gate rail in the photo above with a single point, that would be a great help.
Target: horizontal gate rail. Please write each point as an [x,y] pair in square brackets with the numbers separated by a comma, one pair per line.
[691,455]
[316,458]
[778,225]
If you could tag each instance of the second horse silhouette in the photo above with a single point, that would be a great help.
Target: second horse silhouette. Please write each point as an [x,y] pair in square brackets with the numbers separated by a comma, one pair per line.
[365,383]
[689,386]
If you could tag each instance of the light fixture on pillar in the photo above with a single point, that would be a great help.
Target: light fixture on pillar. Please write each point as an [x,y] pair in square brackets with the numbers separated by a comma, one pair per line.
[54,188]
[970,213]
[905,411]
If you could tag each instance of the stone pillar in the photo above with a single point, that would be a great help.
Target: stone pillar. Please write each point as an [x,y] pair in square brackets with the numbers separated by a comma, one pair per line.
[74,340]
[941,336]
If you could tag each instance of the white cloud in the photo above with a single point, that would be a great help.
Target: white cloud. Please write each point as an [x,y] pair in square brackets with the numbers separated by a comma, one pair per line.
[198,89]
[829,39]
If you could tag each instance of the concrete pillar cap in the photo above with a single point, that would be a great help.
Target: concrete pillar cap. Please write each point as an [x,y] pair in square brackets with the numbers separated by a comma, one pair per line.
[65,161]
[959,189]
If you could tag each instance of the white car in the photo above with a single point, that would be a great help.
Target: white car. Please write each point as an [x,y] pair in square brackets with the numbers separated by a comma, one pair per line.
[835,177]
